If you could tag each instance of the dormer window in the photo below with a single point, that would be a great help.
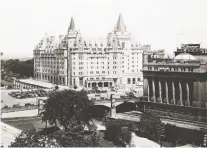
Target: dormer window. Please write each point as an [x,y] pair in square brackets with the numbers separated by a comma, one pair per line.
[123,44]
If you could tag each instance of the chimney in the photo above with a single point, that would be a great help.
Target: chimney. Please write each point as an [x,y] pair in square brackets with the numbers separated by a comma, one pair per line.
[60,37]
[52,38]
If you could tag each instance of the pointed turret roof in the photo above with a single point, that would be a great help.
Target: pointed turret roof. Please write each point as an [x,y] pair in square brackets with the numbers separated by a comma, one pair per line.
[120,24]
[72,24]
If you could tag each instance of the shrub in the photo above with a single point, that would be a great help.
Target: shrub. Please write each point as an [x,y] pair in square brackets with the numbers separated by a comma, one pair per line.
[5,107]
[9,87]
[16,106]
[56,87]
[113,131]
[149,125]
[27,104]
[2,85]
[94,139]
[183,135]
[118,131]
[126,135]
[52,137]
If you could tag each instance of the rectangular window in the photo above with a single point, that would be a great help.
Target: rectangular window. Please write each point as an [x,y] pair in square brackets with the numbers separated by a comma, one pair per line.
[123,44]
[128,81]
[133,80]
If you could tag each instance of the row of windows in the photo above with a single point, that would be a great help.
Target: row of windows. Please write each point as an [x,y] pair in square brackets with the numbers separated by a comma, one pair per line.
[53,71]
[103,72]
[133,58]
[138,70]
[49,59]
[52,62]
[172,69]
[97,72]
[135,65]
[135,53]
[80,58]
[133,80]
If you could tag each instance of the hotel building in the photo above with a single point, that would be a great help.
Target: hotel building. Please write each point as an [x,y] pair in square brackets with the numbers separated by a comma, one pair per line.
[71,60]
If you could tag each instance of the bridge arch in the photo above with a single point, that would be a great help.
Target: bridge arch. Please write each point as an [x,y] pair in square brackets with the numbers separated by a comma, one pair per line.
[126,106]
[99,110]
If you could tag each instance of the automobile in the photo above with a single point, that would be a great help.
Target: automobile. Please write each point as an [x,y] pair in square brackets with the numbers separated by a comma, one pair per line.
[19,97]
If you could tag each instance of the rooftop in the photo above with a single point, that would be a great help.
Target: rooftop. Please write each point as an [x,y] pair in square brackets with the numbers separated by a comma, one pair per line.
[185,56]
[41,83]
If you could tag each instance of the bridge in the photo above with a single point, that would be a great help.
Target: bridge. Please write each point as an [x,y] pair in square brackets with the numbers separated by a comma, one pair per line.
[107,102]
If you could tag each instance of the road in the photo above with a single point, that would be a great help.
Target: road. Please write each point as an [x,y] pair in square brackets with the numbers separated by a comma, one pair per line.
[25,113]
[135,116]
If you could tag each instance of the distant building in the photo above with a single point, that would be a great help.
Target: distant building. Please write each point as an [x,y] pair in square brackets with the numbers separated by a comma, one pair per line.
[176,88]
[150,55]
[193,49]
[74,61]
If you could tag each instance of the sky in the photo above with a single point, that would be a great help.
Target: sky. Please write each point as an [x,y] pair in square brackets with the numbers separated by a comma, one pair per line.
[164,24]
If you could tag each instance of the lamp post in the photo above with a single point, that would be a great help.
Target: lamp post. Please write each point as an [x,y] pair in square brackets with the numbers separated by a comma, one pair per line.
[113,106]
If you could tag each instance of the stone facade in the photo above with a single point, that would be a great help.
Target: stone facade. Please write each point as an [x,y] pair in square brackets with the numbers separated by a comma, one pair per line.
[180,82]
[74,61]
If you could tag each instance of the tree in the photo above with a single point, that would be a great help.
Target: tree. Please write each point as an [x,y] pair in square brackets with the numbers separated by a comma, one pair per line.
[23,68]
[118,131]
[151,126]
[74,137]
[68,108]
[29,139]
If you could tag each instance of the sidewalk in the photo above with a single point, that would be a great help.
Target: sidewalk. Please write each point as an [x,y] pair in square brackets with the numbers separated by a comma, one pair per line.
[140,142]
[99,125]
[26,113]
[8,134]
